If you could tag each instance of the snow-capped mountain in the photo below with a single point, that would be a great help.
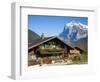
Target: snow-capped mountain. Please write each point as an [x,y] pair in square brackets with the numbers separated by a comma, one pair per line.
[73,31]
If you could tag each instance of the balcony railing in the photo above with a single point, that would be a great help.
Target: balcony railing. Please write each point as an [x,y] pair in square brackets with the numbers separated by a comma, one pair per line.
[51,51]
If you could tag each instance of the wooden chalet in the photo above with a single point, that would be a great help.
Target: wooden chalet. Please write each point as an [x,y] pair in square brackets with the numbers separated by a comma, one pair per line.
[79,49]
[47,50]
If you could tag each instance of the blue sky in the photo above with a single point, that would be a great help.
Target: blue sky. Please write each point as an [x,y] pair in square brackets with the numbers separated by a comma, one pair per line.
[51,25]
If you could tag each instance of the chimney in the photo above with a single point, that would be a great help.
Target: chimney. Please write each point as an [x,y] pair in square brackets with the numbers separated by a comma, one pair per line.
[42,36]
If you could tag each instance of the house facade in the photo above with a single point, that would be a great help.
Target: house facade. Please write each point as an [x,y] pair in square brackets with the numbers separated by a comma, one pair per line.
[47,50]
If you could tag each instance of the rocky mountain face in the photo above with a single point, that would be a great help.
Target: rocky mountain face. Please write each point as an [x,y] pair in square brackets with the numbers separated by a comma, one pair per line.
[75,34]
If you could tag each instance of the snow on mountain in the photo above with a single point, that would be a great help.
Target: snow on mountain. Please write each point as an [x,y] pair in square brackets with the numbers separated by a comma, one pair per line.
[73,23]
[74,31]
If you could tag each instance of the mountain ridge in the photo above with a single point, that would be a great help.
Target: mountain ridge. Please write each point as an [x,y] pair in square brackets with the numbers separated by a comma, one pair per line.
[75,34]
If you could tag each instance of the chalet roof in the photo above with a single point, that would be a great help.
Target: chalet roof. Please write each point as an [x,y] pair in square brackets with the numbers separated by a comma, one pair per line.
[81,50]
[37,42]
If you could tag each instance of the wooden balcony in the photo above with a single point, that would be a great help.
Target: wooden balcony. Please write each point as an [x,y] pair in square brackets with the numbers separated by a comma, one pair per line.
[51,51]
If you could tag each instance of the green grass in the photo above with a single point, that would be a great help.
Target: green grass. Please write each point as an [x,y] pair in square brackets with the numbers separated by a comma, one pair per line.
[83,59]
